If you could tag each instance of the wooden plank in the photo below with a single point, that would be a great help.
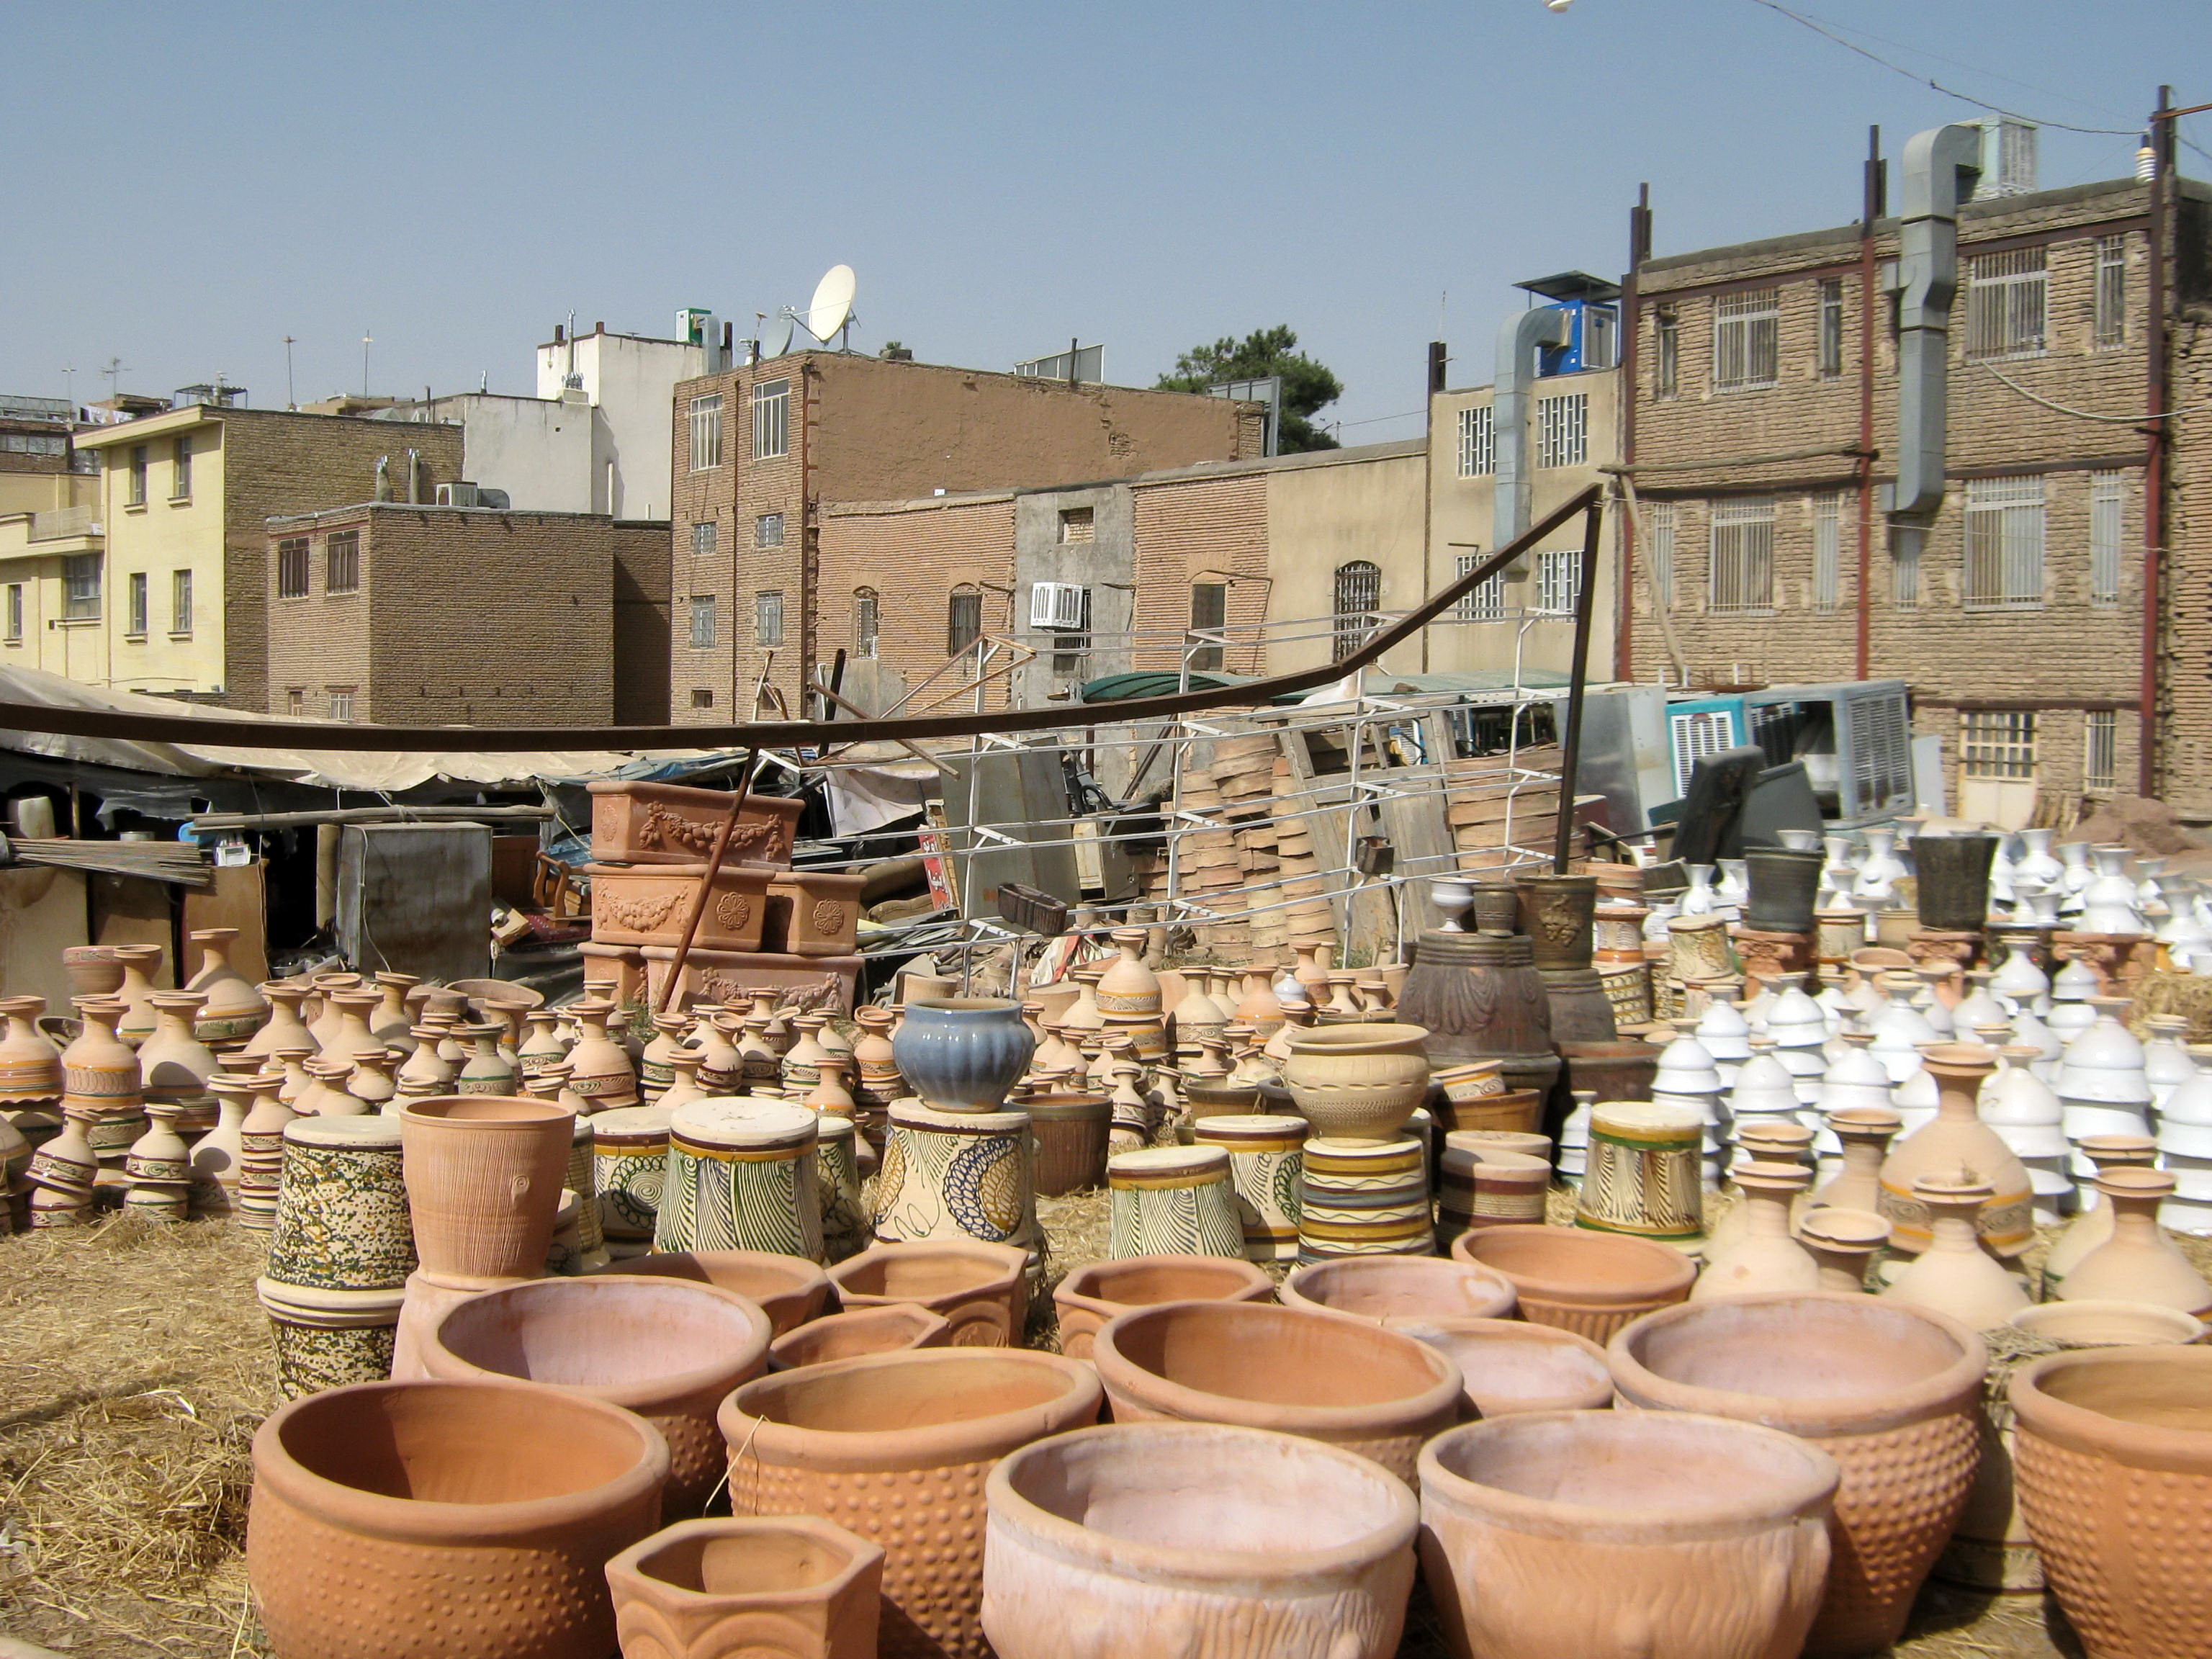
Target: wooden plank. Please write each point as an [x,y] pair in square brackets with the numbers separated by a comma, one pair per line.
[42,913]
[237,898]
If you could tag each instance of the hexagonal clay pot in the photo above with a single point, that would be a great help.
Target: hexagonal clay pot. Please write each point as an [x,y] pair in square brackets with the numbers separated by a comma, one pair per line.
[665,1349]
[447,1521]
[1508,1366]
[922,1428]
[1100,1290]
[1148,1538]
[789,1288]
[736,1587]
[1355,1385]
[1381,1287]
[891,1328]
[1591,1283]
[1623,1535]
[1891,1391]
[980,1289]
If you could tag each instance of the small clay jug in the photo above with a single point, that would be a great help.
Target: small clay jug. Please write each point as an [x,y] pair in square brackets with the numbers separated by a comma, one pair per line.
[140,964]
[351,1035]
[486,1072]
[2139,1262]
[1127,986]
[390,1022]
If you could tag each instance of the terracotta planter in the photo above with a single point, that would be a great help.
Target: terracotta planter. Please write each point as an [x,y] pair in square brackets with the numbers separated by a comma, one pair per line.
[1509,1366]
[2113,1456]
[978,1289]
[892,1329]
[813,912]
[483,1184]
[1623,1535]
[830,1440]
[447,1521]
[1100,1290]
[1355,1385]
[1591,1283]
[1380,1288]
[788,1289]
[1358,1082]
[1143,1539]
[962,1054]
[1071,1134]
[638,822]
[1556,913]
[666,1349]
[729,1587]
[1893,1393]
[1479,997]
[1511,1111]
[652,904]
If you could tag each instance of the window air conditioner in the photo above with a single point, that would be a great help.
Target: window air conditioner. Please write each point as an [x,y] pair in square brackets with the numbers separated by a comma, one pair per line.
[1057,606]
[457,495]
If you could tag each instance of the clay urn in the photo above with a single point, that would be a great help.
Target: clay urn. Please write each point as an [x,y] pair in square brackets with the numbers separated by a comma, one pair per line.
[1099,1291]
[667,1350]
[1589,1283]
[732,1587]
[2112,1455]
[1625,1535]
[483,1176]
[889,1329]
[442,1520]
[234,1010]
[978,1289]
[1892,1392]
[925,1427]
[1381,1287]
[1358,1082]
[789,1288]
[1507,1365]
[1956,1138]
[1356,1385]
[1151,1538]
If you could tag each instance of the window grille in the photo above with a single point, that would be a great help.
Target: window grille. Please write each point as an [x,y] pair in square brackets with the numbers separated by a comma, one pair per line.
[1746,336]
[341,562]
[1070,649]
[771,419]
[767,618]
[1558,580]
[1996,743]
[1359,595]
[1485,601]
[1829,358]
[1665,351]
[1742,560]
[2112,300]
[867,622]
[1904,574]
[1209,609]
[2004,544]
[1827,551]
[292,567]
[703,622]
[2005,303]
[1562,429]
[963,619]
[1659,547]
[706,432]
[704,537]
[2107,504]
[1478,442]
[2100,750]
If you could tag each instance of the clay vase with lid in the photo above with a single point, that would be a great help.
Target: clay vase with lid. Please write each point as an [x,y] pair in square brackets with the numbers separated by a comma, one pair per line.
[792,1586]
[1148,1538]
[1099,1291]
[1625,1535]
[1892,1393]
[1357,1081]
[1508,1366]
[667,1350]
[789,1288]
[979,1289]
[1382,1289]
[962,1054]
[1764,1257]
[2113,1457]
[927,1424]
[481,1513]
[1351,1383]
[1956,1139]
[483,1184]
[234,1009]
[2138,1263]
[1479,997]
[1956,1274]
[1591,1283]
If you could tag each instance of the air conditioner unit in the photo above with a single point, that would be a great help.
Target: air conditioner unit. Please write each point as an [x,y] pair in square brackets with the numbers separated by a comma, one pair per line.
[1057,606]
[458,495]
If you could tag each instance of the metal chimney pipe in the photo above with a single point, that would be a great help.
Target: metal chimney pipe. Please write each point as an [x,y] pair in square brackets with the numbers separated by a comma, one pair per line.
[1942,166]
[1514,490]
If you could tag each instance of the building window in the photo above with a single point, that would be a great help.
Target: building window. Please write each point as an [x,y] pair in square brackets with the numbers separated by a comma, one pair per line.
[295,701]
[1359,595]
[1558,580]
[180,603]
[704,538]
[1904,573]
[341,562]
[1478,442]
[2111,311]
[771,419]
[867,622]
[767,618]
[2004,544]
[1829,356]
[1742,574]
[341,703]
[703,622]
[1486,600]
[1996,743]
[2107,500]
[15,613]
[1562,429]
[768,530]
[84,460]
[2005,296]
[80,587]
[1746,331]
[292,567]
[1078,524]
[2100,751]
[1071,650]
[963,619]
[1659,549]
[137,495]
[135,624]
[703,696]
[1665,351]
[1827,551]
[1209,613]
[706,432]
[180,469]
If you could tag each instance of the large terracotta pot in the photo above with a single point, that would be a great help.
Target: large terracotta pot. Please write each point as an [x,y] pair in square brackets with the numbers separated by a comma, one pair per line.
[1623,1535]
[889,1329]
[1508,1366]
[962,1054]
[1382,1288]
[788,1289]
[1358,1082]
[1149,1539]
[1591,1283]
[1479,997]
[1893,1393]
[1100,1290]
[921,1428]
[978,1289]
[666,1349]
[794,1587]
[447,1521]
[483,1184]
[2112,1452]
[1352,1384]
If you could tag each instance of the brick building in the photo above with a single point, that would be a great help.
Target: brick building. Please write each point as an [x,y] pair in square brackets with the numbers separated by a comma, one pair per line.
[40,470]
[405,614]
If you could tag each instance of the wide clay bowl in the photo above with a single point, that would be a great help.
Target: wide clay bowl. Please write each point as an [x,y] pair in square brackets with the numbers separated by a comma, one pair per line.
[1591,1283]
[667,1350]
[1382,1288]
[1159,1538]
[2113,1455]
[1353,1384]
[979,1289]
[1892,1392]
[1508,1366]
[484,1510]
[1621,1533]
[1099,1291]
[710,1589]
[789,1288]
[864,1331]
[1358,1082]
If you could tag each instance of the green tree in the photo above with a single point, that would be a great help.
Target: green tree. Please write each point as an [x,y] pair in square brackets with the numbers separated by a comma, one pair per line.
[1308,386]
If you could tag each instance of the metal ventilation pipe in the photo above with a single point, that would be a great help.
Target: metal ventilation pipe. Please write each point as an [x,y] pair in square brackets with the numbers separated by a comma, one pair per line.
[1942,166]
[1513,490]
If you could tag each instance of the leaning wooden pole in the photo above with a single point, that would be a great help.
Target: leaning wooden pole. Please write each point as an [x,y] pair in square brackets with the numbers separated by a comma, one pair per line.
[706,882]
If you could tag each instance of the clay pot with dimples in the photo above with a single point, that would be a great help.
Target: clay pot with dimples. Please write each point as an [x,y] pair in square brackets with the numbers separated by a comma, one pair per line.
[1588,1283]
[1099,1291]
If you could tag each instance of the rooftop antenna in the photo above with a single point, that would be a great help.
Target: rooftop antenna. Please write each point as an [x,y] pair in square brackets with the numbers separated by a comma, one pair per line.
[366,340]
[290,402]
[114,370]
[69,387]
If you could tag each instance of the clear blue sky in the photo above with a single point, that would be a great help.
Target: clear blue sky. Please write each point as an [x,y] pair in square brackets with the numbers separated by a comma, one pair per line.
[188,184]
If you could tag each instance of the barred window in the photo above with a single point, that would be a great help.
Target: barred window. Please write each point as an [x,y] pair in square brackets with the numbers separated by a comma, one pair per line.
[771,419]
[1359,595]
[1665,351]
[1559,580]
[1478,443]
[2100,751]
[703,622]
[1743,569]
[2111,311]
[2107,503]
[963,619]
[1209,611]
[1071,648]
[867,622]
[768,530]
[1659,548]
[1745,338]
[704,537]
[706,432]
[1996,743]
[341,562]
[1562,429]
[1829,354]
[2004,544]
[1485,601]
[1827,551]
[767,618]
[292,567]
[1904,573]
[2005,303]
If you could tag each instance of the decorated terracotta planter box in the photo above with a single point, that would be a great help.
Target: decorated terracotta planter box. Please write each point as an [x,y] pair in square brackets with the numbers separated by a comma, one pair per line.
[813,912]
[651,904]
[822,984]
[635,822]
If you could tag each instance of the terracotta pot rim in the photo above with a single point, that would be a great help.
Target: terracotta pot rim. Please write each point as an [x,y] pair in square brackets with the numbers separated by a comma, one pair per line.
[525,1114]
[924,1325]
[1949,1389]
[1356,1038]
[1007,1263]
[2033,1318]
[805,1274]
[2096,1434]
[1251,1277]
[1290,1574]
[408,1520]
[1291,1294]
[1669,1270]
[858,1552]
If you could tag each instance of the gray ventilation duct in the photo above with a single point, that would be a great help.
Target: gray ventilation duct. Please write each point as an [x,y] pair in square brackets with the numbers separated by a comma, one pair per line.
[1941,168]
[1514,489]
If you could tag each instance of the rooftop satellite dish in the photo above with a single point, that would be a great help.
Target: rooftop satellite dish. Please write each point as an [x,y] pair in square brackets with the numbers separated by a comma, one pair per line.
[832,306]
[776,340]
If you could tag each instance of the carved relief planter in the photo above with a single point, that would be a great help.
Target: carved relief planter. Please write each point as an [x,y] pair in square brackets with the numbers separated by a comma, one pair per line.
[638,822]
[1479,997]
[652,904]
[813,912]
[1557,913]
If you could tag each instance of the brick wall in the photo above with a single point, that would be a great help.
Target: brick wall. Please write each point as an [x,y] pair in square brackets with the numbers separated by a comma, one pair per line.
[1184,527]
[912,554]
[641,621]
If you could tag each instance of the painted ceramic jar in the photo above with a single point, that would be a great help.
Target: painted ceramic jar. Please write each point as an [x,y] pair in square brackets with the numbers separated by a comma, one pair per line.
[956,1175]
[962,1054]
[1364,1197]
[1488,1187]
[741,1176]
[329,1339]
[141,964]
[1267,1169]
[629,1148]
[845,1227]
[1643,1172]
[342,1222]
[599,1071]
[1127,986]
[30,1065]
[1172,1200]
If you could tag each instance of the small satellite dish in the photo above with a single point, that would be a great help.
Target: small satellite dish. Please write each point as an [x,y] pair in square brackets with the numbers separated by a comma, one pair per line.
[776,340]
[832,305]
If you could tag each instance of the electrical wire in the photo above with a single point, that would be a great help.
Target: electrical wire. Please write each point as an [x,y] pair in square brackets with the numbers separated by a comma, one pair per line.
[2078,413]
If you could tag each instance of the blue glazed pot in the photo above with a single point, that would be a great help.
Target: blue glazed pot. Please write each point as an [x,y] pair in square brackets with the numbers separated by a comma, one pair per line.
[962,1054]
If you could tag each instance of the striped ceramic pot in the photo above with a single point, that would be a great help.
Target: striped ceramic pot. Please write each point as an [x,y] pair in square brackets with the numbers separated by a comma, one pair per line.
[629,1160]
[956,1175]
[1643,1174]
[1364,1197]
[837,1180]
[1267,1167]
[1172,1200]
[741,1178]
[1490,1188]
